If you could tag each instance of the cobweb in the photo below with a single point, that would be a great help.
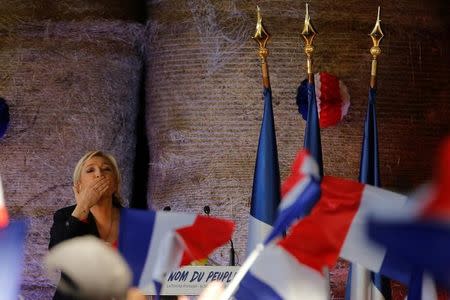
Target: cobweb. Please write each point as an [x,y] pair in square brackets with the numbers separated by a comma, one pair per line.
[223,30]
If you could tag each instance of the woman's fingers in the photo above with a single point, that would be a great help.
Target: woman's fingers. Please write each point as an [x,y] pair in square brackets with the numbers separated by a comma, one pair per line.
[91,194]
[101,186]
[99,183]
[88,196]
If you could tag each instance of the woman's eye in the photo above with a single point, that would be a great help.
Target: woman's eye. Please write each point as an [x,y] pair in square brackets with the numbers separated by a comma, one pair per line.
[90,170]
[106,169]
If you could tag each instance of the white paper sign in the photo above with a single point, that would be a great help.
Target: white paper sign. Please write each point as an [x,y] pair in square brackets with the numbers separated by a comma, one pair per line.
[191,280]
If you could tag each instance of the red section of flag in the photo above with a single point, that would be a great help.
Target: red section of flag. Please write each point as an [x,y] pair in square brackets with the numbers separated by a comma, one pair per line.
[439,206]
[296,173]
[316,240]
[4,219]
[202,237]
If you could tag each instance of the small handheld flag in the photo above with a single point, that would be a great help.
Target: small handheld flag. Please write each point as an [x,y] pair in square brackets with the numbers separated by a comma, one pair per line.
[422,239]
[300,192]
[154,243]
[4,219]
[12,237]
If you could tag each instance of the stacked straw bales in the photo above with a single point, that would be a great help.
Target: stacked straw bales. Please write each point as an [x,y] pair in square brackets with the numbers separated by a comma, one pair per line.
[204,100]
[70,72]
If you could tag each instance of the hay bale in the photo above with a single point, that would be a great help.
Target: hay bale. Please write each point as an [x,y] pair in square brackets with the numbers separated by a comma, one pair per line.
[17,11]
[71,87]
[204,104]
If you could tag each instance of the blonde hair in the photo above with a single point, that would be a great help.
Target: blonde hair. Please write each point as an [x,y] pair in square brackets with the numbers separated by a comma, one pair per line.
[117,198]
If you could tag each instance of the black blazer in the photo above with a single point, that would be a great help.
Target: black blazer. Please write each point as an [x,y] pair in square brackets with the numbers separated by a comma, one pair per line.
[65,227]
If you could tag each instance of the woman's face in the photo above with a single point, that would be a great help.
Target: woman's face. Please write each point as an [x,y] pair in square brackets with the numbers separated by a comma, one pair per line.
[97,167]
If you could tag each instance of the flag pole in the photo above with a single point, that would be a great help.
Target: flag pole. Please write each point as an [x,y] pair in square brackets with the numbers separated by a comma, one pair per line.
[231,288]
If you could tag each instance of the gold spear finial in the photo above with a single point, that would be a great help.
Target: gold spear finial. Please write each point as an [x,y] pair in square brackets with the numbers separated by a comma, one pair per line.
[308,34]
[261,36]
[376,36]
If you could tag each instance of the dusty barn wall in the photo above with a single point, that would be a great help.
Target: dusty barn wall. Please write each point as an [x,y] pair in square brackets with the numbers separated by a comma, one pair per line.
[204,102]
[70,72]
[63,62]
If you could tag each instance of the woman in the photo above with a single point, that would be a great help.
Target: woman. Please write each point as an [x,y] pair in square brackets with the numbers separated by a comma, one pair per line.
[97,210]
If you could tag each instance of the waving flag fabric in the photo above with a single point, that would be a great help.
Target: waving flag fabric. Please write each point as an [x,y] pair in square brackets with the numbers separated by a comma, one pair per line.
[12,240]
[154,243]
[312,141]
[422,287]
[421,238]
[300,192]
[335,227]
[266,181]
[282,272]
[4,219]
[12,237]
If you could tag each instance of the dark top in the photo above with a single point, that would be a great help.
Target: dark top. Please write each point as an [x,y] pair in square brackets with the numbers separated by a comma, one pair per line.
[65,227]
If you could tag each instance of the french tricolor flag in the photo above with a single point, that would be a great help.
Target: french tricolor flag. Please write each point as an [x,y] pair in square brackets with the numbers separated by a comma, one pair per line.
[336,226]
[300,192]
[12,236]
[4,219]
[155,242]
[420,237]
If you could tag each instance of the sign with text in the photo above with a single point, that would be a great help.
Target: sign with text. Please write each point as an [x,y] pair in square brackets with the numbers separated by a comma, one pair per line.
[191,280]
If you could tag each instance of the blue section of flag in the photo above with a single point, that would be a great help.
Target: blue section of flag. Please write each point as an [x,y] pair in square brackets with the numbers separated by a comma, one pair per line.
[312,140]
[411,242]
[348,287]
[369,168]
[266,180]
[415,288]
[253,288]
[11,258]
[369,173]
[158,288]
[302,99]
[301,207]
[136,228]
[396,268]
